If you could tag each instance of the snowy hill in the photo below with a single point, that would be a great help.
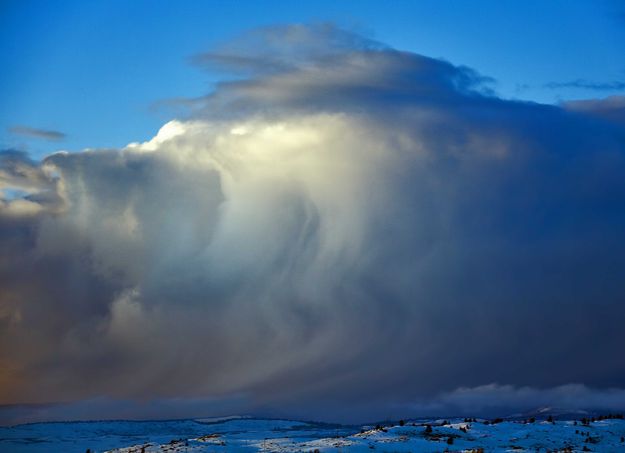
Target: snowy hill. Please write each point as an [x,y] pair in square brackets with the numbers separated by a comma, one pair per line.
[249,435]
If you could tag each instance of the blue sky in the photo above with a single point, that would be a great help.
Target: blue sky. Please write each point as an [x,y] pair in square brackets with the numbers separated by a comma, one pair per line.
[95,70]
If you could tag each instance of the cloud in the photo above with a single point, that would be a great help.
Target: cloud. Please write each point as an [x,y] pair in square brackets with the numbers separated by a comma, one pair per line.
[33,132]
[611,108]
[488,401]
[283,48]
[358,227]
[508,400]
[588,85]
[25,186]
[112,409]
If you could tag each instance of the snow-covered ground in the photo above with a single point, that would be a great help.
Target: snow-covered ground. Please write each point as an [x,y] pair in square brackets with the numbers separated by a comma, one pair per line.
[249,434]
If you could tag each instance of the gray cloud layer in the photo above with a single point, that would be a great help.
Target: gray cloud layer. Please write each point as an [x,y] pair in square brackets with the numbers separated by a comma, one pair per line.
[37,133]
[611,108]
[354,225]
[588,84]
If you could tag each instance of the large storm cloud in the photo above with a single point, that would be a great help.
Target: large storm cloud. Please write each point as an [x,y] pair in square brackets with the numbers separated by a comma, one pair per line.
[338,223]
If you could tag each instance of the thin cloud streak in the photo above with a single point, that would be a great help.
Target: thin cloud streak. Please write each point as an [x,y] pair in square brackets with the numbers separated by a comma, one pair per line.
[588,85]
[34,132]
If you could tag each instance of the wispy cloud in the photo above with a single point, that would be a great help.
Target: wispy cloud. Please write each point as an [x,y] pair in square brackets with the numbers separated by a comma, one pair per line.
[34,132]
[277,49]
[588,85]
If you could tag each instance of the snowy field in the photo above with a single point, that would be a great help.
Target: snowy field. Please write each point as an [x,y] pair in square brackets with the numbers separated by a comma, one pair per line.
[249,435]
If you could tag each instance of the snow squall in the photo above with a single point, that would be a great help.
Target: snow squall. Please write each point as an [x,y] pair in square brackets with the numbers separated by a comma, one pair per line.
[342,231]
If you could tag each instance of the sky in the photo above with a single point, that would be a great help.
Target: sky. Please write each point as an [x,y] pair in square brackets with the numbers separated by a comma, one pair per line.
[99,72]
[340,212]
